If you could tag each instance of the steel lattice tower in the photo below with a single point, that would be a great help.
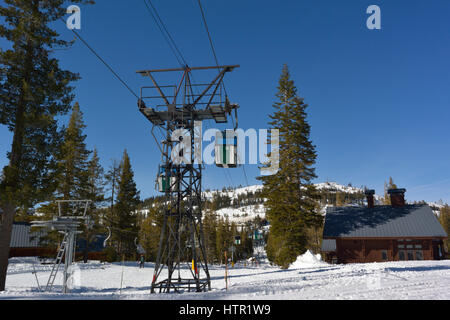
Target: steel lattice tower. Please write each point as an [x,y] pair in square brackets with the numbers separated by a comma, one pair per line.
[182,239]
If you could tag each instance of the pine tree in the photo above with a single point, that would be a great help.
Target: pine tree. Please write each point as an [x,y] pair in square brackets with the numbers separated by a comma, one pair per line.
[291,196]
[340,201]
[150,231]
[34,91]
[112,177]
[387,186]
[125,222]
[210,234]
[444,219]
[223,238]
[94,191]
[73,177]
[77,177]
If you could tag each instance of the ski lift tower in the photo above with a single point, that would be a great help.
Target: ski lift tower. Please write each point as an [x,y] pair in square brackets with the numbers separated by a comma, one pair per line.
[66,224]
[182,106]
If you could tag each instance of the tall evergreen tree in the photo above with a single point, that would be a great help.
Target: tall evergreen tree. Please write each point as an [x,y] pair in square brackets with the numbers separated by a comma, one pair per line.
[73,161]
[444,219]
[291,196]
[94,191]
[34,91]
[78,177]
[112,177]
[125,220]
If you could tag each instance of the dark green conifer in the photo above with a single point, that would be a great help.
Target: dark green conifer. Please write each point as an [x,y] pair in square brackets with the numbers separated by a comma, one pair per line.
[34,91]
[125,217]
[291,196]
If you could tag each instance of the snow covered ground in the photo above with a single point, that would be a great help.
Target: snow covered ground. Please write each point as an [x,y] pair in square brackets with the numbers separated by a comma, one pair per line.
[307,279]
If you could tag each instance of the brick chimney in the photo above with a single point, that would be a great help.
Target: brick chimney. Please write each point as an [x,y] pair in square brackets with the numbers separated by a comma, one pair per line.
[370,198]
[397,197]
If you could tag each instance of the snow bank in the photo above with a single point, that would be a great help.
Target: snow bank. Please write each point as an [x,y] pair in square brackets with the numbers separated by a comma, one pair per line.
[308,260]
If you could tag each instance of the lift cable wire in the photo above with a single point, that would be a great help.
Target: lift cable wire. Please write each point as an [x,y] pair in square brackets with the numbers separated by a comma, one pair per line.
[168,37]
[227,177]
[166,34]
[103,61]
[217,63]
[245,175]
[211,41]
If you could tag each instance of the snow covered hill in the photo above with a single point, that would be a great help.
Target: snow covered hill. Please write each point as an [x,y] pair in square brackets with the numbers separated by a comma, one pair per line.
[248,213]
[234,193]
[330,186]
[334,186]
[307,279]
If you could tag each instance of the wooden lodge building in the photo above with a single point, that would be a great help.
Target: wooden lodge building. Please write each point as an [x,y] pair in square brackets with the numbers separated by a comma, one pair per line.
[398,232]
[27,243]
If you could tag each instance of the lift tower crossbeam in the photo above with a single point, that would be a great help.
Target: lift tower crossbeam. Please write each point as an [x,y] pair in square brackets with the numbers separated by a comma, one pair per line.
[182,240]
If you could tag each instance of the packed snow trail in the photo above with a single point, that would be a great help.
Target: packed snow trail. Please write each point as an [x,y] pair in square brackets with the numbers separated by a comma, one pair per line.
[307,279]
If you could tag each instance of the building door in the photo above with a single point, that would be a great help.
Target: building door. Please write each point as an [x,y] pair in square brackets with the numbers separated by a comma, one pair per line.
[437,252]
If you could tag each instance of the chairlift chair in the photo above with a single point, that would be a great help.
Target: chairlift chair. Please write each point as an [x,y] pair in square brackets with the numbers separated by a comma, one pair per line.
[105,243]
[167,183]
[226,149]
[139,248]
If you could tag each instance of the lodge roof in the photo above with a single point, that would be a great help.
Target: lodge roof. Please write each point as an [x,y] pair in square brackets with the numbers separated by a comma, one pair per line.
[409,221]
[23,237]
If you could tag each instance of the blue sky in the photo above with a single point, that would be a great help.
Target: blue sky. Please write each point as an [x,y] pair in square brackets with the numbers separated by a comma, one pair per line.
[379,99]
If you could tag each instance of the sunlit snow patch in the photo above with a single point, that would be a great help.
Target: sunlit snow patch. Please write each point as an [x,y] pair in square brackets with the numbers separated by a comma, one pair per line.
[308,260]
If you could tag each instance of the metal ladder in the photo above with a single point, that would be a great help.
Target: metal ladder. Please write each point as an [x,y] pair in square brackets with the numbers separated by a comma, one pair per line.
[59,257]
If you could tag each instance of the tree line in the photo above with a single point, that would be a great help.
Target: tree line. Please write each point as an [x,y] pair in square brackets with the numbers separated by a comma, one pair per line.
[220,236]
[35,91]
[113,195]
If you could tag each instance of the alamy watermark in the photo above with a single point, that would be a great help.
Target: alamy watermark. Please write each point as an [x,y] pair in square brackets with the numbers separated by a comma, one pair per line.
[230,148]
[374,21]
[74,20]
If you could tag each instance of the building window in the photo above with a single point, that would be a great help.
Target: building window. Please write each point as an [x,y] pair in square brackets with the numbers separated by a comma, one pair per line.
[410,255]
[384,255]
[419,255]
[418,246]
[401,255]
